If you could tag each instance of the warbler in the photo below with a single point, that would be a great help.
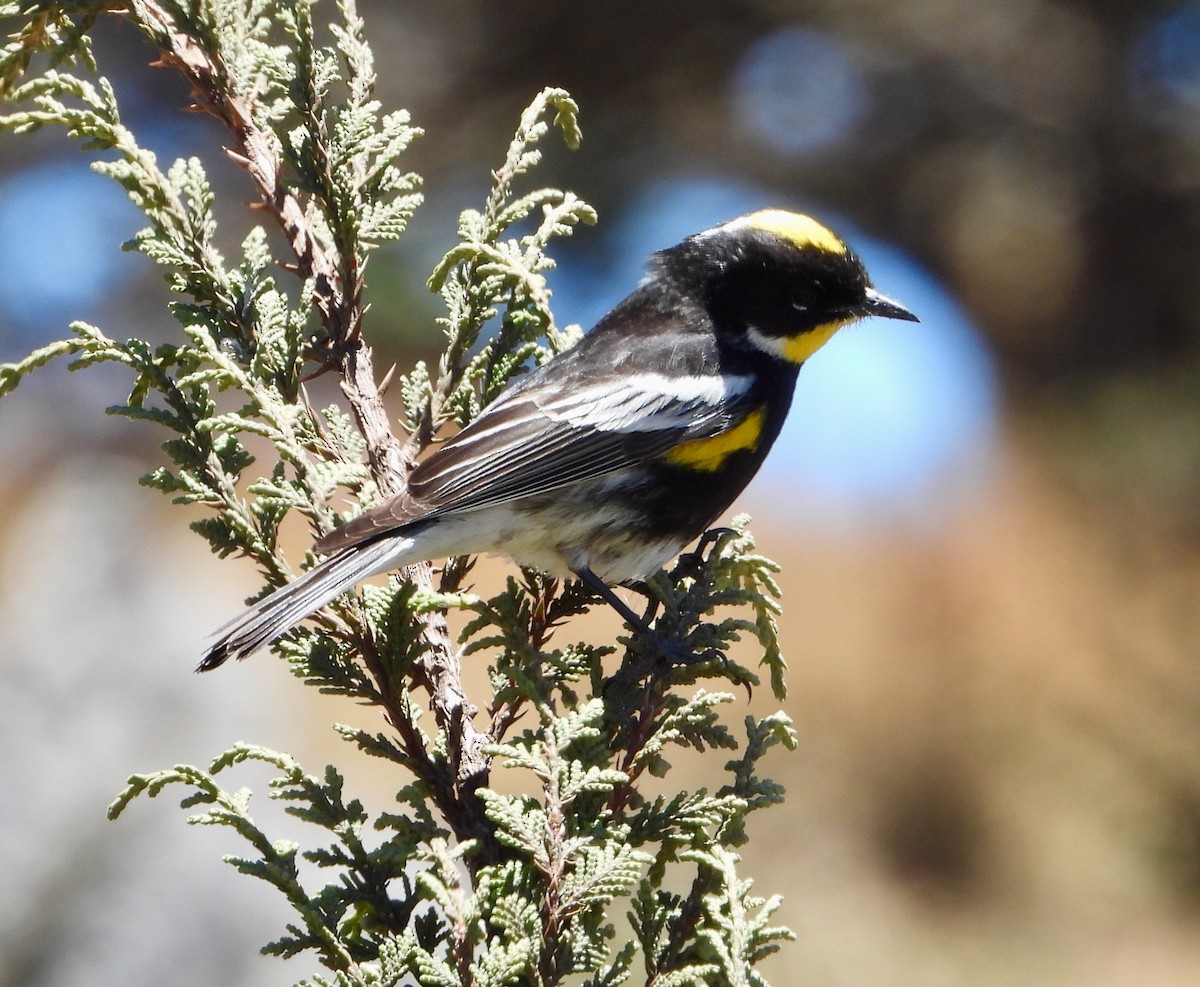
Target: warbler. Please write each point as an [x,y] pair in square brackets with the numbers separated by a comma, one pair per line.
[609,459]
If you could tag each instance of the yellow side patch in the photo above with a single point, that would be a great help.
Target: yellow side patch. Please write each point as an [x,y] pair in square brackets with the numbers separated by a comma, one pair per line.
[797,349]
[710,454]
[802,231]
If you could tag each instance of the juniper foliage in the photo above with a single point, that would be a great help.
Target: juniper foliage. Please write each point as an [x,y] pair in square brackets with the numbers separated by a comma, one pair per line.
[460,884]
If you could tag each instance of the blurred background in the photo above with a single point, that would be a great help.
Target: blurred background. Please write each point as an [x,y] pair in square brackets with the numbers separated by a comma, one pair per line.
[989,523]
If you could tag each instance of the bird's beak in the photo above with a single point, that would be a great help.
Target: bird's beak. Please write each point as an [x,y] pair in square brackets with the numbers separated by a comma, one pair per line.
[876,304]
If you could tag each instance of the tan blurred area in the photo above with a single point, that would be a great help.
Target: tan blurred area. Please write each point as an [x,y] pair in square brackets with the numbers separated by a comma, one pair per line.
[997,780]
[998,777]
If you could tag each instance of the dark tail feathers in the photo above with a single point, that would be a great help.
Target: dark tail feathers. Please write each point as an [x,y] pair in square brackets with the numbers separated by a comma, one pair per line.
[287,606]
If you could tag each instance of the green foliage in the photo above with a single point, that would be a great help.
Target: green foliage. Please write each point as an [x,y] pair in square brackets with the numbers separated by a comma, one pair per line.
[464,882]
[490,272]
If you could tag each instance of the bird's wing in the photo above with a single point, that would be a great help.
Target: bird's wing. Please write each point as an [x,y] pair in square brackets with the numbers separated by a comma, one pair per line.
[535,438]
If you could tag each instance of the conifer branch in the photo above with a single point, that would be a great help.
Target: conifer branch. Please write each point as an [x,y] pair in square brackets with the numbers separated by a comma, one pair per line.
[464,884]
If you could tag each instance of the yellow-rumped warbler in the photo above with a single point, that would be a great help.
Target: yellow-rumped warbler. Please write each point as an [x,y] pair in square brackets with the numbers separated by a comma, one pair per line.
[605,462]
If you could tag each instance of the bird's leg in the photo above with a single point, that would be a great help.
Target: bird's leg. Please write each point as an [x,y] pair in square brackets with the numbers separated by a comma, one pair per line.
[673,652]
[692,563]
[600,588]
[653,603]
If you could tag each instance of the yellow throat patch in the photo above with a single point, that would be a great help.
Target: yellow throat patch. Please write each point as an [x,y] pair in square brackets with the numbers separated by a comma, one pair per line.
[797,349]
[799,230]
[708,455]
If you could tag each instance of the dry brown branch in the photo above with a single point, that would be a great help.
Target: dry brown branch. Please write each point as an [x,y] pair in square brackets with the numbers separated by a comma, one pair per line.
[337,297]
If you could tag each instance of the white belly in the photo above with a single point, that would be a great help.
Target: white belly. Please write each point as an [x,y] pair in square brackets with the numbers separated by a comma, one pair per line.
[562,535]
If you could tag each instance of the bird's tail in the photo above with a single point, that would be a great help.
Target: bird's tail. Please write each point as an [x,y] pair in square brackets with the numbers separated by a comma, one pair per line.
[287,606]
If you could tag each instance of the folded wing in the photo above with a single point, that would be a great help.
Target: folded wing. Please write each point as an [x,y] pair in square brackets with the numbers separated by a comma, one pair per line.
[535,439]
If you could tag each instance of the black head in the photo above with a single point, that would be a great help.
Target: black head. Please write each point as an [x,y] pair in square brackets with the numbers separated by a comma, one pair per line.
[779,280]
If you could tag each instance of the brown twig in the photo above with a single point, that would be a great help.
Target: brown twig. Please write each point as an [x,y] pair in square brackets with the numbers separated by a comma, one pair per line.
[336,289]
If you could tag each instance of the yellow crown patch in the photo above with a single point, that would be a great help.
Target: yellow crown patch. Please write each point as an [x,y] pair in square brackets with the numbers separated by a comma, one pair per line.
[800,230]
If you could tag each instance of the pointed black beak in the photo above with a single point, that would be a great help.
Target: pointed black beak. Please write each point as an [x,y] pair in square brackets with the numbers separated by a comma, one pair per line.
[876,304]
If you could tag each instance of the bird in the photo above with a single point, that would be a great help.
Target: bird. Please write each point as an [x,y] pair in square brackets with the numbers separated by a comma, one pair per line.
[609,459]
